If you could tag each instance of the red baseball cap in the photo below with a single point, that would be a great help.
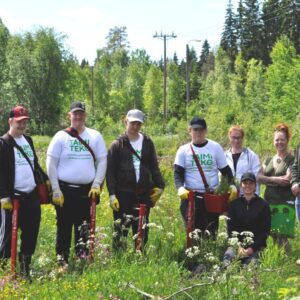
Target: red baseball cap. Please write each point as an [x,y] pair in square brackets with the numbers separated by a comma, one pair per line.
[19,113]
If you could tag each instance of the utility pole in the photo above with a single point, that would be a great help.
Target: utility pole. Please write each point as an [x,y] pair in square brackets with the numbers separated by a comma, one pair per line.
[164,37]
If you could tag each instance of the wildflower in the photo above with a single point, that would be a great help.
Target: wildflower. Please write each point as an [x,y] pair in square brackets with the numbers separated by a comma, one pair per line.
[247,233]
[210,257]
[234,234]
[222,235]
[118,221]
[223,217]
[192,251]
[234,241]
[135,237]
[170,235]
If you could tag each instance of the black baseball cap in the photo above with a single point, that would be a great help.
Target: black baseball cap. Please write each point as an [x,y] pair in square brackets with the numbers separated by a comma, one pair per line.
[248,176]
[77,105]
[197,122]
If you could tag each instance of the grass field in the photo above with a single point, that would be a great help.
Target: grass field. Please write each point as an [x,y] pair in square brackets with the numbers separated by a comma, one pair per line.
[161,272]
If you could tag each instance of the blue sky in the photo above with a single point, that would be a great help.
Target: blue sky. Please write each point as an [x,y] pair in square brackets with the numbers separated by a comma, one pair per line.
[87,23]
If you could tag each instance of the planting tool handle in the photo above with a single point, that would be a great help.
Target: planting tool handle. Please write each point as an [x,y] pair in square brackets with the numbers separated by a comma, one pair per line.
[14,235]
[190,218]
[140,233]
[93,201]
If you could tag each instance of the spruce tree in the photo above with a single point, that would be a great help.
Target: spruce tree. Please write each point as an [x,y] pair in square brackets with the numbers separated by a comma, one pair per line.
[250,30]
[229,35]
[272,20]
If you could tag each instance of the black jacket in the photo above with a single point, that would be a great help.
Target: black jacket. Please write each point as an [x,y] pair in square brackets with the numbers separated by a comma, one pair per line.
[7,165]
[120,174]
[251,216]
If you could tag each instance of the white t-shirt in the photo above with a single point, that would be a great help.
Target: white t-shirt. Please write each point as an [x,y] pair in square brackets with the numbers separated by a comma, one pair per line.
[24,179]
[137,146]
[211,158]
[75,162]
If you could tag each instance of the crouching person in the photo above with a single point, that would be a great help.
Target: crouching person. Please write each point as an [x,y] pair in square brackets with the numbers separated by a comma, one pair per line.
[248,224]
[133,177]
[18,163]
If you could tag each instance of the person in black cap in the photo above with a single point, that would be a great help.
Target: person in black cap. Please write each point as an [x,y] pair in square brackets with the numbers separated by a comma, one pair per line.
[17,181]
[187,176]
[133,177]
[249,223]
[76,166]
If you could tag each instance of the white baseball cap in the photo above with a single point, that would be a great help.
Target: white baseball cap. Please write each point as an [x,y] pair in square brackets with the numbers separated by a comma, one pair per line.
[135,115]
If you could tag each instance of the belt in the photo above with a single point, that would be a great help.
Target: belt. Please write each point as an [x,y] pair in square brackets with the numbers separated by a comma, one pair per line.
[74,185]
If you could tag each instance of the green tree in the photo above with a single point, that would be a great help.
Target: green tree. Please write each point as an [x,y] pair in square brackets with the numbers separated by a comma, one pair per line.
[37,74]
[153,93]
[250,29]
[283,80]
[229,34]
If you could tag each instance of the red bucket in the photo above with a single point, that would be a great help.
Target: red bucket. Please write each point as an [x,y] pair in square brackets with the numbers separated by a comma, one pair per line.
[42,190]
[216,203]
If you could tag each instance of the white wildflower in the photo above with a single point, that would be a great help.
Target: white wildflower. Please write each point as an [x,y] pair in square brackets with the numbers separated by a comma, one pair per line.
[234,241]
[170,235]
[234,234]
[247,233]
[135,237]
[223,217]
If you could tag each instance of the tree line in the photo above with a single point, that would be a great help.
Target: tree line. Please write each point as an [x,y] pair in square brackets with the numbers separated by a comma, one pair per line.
[252,78]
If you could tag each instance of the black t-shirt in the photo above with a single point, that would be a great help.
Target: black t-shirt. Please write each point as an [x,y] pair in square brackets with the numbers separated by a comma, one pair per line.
[235,158]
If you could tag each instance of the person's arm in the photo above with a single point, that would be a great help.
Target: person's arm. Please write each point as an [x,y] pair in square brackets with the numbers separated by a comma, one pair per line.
[255,163]
[265,228]
[101,166]
[52,163]
[3,176]
[155,171]
[272,180]
[111,172]
[226,172]
[178,176]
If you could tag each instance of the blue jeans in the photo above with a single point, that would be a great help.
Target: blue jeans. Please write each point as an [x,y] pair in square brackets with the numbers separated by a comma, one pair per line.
[297,208]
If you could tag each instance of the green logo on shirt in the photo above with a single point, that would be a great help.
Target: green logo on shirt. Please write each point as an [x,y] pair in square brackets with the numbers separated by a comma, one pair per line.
[76,146]
[27,149]
[204,159]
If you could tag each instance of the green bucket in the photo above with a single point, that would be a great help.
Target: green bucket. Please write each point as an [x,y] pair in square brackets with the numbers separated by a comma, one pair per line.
[283,219]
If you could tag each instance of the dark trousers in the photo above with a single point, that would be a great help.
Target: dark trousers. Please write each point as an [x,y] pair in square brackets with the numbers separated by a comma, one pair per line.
[75,212]
[128,215]
[203,220]
[29,223]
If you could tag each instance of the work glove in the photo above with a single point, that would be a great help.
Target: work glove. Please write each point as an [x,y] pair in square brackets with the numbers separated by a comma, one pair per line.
[155,195]
[58,198]
[233,193]
[6,203]
[183,193]
[114,203]
[95,191]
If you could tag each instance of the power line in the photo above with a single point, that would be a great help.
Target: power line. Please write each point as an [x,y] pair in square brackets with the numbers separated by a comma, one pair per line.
[165,37]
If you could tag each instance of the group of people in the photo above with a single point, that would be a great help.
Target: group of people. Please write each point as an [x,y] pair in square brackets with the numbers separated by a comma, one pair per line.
[78,164]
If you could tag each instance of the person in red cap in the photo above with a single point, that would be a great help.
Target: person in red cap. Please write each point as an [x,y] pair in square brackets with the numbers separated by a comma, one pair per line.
[17,181]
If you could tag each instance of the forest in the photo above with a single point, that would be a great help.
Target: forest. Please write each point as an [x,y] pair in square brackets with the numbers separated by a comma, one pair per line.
[251,78]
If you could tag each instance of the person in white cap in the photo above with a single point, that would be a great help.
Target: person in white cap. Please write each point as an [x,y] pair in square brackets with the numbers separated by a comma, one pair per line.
[76,166]
[133,176]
